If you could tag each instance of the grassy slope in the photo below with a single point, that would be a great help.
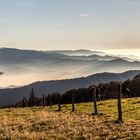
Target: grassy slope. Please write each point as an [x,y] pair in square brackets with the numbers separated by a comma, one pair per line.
[46,123]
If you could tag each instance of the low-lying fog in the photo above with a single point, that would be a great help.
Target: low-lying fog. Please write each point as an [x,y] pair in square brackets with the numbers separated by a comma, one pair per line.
[22,67]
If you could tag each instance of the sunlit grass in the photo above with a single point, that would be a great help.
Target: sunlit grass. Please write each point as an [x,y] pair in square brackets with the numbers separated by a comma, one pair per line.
[48,123]
[130,108]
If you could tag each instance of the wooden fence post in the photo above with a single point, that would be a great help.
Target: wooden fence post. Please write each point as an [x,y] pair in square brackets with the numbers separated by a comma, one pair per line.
[119,104]
[59,102]
[94,101]
[50,101]
[43,99]
[73,108]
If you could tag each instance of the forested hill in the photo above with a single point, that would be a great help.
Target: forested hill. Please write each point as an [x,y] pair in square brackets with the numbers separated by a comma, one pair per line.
[11,96]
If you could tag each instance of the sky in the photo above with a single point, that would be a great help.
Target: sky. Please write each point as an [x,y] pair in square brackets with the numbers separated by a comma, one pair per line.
[70,24]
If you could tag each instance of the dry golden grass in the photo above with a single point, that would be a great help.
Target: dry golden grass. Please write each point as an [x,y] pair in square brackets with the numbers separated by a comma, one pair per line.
[44,123]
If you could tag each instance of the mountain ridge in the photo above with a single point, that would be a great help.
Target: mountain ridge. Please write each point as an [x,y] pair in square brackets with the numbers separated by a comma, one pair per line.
[22,67]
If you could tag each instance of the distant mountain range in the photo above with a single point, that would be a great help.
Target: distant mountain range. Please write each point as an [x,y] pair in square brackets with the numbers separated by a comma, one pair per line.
[13,95]
[22,67]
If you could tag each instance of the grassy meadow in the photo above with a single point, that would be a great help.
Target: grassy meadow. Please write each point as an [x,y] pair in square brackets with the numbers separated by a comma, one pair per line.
[39,123]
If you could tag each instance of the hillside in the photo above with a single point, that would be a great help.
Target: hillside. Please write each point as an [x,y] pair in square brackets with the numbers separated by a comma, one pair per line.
[12,96]
[137,76]
[45,123]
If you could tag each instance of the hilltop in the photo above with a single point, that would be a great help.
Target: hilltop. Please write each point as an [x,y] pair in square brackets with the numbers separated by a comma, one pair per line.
[46,123]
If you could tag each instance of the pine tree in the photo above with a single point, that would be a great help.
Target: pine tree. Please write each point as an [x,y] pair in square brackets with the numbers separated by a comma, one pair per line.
[31,101]
[23,102]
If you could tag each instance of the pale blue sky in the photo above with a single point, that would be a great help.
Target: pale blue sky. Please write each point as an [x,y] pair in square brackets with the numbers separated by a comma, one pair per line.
[70,24]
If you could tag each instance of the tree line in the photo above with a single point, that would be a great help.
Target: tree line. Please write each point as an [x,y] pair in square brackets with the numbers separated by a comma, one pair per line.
[103,92]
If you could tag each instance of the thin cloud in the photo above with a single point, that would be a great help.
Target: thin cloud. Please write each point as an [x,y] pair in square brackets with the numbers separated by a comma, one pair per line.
[83,15]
